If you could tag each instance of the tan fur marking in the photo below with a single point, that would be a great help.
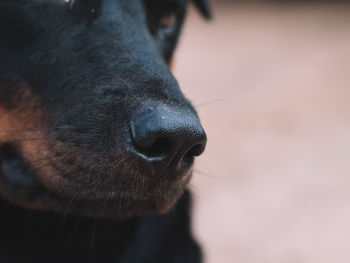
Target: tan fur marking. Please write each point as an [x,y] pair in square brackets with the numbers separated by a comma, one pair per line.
[171,65]
[24,126]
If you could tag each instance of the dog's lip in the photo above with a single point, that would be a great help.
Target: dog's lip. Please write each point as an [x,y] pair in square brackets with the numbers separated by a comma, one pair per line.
[23,188]
[17,183]
[14,173]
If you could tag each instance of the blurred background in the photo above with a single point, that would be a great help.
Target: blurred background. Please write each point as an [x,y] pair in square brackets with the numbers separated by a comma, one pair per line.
[271,82]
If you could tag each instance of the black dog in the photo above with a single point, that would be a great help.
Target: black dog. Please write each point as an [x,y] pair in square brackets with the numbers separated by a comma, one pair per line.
[96,139]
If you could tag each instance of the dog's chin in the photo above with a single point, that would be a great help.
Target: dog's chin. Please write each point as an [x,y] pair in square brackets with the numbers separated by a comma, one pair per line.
[21,187]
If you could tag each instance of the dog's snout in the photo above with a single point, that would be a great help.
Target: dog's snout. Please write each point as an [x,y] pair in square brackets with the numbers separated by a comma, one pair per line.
[168,137]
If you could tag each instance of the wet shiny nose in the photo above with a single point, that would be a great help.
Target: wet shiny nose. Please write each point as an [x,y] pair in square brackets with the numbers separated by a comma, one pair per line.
[168,137]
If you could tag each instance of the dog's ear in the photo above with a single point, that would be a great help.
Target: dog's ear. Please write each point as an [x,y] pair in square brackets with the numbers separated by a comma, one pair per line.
[204,7]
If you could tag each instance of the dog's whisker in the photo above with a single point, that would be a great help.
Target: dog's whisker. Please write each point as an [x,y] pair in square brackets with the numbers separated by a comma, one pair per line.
[207,174]
[211,102]
[105,203]
[51,219]
[40,167]
[92,241]
[52,157]
[69,205]
[197,191]
[74,229]
[29,140]
[35,130]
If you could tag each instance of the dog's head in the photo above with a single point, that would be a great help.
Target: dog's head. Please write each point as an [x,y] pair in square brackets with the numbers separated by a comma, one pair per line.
[91,119]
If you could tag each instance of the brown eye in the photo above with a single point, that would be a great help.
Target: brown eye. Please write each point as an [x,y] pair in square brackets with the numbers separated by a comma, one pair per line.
[167,24]
[168,20]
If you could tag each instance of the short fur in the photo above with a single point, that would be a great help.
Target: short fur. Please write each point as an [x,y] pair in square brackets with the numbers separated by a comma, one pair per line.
[72,74]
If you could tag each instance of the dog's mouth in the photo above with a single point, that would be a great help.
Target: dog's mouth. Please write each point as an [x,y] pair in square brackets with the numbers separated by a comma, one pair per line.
[21,186]
[99,167]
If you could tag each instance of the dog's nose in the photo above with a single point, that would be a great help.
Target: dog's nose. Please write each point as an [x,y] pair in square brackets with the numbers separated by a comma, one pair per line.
[168,137]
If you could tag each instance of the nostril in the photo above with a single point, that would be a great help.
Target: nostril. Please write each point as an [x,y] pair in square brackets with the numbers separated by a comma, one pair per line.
[159,149]
[196,150]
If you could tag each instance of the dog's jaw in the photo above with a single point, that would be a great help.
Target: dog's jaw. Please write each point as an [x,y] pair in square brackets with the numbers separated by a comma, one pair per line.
[20,185]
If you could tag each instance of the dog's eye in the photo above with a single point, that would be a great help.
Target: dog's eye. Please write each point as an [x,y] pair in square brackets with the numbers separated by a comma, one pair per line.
[168,21]
[167,24]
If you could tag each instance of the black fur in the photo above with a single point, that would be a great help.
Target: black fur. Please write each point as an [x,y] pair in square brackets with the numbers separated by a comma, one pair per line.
[28,236]
[72,75]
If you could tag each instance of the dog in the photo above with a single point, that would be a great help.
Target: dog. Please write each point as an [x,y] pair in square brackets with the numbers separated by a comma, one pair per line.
[97,141]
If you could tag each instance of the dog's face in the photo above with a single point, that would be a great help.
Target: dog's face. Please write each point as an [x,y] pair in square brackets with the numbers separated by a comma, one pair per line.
[91,119]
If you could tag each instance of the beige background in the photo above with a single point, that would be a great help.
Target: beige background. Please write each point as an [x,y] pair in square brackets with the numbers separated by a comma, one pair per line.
[272,86]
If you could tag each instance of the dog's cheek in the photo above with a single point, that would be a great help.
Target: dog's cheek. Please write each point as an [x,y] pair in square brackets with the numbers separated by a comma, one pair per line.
[22,125]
